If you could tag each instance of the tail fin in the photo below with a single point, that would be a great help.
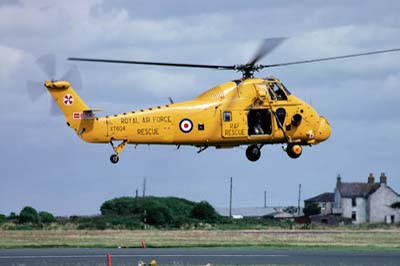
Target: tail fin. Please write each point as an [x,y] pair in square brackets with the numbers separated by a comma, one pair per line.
[70,103]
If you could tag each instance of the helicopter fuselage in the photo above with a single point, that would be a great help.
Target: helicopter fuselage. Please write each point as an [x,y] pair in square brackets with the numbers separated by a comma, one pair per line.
[241,112]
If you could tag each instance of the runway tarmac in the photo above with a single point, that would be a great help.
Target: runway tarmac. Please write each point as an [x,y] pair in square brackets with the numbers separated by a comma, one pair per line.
[192,256]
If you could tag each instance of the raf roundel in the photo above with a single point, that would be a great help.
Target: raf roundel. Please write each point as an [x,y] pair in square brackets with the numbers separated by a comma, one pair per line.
[68,99]
[186,125]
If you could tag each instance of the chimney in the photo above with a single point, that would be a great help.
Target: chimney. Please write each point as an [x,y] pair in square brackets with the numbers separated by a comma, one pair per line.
[338,181]
[371,179]
[383,178]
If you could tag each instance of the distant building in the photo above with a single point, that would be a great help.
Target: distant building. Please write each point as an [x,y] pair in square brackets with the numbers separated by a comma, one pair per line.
[325,201]
[247,212]
[368,202]
[281,215]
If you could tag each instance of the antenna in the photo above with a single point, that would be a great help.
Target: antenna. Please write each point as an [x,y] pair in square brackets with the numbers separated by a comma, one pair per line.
[265,199]
[230,200]
[144,187]
[298,202]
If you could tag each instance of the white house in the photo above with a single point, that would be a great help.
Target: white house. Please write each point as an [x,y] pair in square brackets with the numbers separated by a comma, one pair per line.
[368,202]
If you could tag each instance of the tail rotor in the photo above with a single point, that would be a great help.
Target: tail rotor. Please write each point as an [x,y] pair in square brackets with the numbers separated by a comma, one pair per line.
[48,64]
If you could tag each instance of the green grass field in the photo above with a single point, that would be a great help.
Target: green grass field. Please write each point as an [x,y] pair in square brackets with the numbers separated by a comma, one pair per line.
[290,239]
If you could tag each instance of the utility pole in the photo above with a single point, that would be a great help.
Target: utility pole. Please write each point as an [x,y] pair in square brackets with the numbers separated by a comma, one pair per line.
[230,200]
[298,202]
[144,187]
[265,199]
[145,219]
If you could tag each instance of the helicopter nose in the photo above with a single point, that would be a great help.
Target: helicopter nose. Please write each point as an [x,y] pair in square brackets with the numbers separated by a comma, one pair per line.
[324,130]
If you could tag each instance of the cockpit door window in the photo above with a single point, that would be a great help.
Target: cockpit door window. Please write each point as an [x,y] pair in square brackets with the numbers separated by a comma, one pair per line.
[271,94]
[279,92]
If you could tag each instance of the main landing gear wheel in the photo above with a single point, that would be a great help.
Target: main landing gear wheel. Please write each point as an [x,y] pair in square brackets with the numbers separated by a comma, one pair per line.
[294,150]
[114,158]
[253,153]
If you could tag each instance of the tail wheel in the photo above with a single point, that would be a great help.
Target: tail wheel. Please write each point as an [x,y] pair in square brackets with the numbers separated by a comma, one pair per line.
[294,150]
[117,149]
[253,153]
[114,158]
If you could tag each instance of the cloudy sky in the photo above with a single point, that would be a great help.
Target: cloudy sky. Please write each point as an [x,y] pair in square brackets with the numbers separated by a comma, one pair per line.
[44,165]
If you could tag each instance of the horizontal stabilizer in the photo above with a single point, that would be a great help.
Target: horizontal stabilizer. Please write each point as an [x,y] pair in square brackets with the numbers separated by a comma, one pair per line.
[93,110]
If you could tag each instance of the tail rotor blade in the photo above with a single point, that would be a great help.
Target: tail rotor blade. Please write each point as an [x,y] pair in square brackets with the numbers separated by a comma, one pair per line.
[54,109]
[47,64]
[73,76]
[35,89]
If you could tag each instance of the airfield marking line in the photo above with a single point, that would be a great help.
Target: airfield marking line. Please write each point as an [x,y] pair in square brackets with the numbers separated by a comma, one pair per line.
[138,255]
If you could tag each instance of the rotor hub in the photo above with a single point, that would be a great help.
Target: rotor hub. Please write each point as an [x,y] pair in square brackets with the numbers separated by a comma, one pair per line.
[248,70]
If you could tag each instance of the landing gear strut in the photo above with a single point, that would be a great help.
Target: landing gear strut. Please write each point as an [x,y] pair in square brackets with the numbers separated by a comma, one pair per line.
[114,158]
[294,150]
[253,152]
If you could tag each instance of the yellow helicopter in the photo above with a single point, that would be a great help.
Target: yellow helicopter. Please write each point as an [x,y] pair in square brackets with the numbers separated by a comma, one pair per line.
[248,111]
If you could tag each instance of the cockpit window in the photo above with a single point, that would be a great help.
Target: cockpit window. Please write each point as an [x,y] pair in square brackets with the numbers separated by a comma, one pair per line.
[279,92]
[285,89]
[271,94]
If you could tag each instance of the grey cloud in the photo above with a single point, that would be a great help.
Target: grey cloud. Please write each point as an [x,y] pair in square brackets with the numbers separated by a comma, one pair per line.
[359,97]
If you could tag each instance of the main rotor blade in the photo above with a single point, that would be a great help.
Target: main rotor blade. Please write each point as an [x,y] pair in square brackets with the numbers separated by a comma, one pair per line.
[266,47]
[151,63]
[331,58]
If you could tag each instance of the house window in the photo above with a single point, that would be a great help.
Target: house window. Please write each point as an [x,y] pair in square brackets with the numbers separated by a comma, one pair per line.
[323,206]
[353,202]
[353,216]
[392,219]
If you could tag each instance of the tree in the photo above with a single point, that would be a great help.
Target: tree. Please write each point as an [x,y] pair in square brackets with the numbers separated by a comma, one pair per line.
[290,209]
[204,211]
[46,217]
[312,209]
[28,215]
[12,216]
[160,211]
[157,214]
[119,206]
[2,218]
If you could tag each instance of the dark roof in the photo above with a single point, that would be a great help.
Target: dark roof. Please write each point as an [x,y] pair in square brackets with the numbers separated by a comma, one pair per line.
[350,190]
[324,197]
